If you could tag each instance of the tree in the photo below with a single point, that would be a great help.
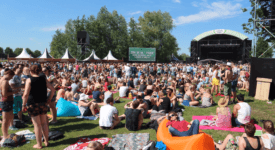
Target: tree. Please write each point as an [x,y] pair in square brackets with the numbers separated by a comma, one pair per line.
[262,46]
[29,51]
[108,31]
[183,56]
[156,28]
[8,51]
[58,44]
[263,12]
[18,51]
[37,53]
[1,50]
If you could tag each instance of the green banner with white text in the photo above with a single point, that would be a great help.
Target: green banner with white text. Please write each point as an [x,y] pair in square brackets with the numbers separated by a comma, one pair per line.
[142,54]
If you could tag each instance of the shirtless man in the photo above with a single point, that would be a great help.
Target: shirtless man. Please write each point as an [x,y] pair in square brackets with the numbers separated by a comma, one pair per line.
[26,73]
[227,81]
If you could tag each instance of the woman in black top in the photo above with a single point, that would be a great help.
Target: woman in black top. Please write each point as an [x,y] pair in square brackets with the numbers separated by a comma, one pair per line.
[35,100]
[134,117]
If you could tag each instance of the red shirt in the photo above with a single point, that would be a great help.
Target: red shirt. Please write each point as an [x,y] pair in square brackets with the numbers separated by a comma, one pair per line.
[179,125]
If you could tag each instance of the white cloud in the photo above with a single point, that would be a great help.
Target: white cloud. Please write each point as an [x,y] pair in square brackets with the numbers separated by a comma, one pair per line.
[176,1]
[136,12]
[53,28]
[195,4]
[216,10]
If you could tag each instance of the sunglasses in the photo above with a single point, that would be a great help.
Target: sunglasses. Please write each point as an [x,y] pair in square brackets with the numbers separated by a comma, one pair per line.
[172,115]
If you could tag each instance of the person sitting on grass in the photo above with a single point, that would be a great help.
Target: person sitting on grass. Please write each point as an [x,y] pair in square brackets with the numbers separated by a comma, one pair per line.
[60,94]
[180,128]
[133,115]
[269,137]
[87,108]
[207,99]
[223,118]
[248,140]
[241,111]
[108,117]
[189,97]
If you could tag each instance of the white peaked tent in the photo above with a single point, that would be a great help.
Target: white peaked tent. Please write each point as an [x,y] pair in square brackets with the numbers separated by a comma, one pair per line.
[110,56]
[92,57]
[24,54]
[45,54]
[67,55]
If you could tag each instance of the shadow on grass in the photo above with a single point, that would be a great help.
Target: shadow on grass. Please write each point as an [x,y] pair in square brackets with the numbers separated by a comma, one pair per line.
[75,127]
[248,100]
[73,140]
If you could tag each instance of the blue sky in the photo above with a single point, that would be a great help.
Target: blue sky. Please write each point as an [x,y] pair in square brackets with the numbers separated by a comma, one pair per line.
[32,23]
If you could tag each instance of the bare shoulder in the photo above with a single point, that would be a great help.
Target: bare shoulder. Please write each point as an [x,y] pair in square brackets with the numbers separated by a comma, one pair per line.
[265,136]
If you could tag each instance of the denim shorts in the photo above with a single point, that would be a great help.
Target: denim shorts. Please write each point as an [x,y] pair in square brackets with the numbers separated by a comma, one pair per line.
[6,106]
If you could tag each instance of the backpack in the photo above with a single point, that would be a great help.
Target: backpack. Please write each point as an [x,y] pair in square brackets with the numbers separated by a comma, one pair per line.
[18,124]
[55,135]
[14,140]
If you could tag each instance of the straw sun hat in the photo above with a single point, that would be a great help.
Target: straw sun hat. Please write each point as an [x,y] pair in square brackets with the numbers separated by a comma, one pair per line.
[222,102]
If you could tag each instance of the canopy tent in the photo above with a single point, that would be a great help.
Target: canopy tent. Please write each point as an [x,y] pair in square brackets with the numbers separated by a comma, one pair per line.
[110,56]
[92,57]
[24,54]
[45,54]
[67,55]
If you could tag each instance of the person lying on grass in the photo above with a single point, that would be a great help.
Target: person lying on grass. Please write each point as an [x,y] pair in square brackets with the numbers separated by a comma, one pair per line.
[180,128]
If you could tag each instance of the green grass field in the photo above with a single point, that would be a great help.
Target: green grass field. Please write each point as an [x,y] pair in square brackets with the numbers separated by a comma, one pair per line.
[74,128]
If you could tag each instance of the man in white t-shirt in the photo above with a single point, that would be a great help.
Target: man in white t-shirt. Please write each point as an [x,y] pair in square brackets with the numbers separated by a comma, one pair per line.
[108,117]
[123,90]
[87,108]
[127,69]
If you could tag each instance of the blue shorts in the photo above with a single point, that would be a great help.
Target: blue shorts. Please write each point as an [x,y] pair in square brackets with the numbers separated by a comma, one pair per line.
[186,103]
[17,104]
[234,86]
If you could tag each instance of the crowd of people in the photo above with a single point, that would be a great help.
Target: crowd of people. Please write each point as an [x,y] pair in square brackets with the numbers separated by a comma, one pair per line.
[158,90]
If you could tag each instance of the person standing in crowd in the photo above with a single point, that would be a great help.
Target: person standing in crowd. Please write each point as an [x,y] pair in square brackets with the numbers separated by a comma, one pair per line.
[227,81]
[16,84]
[6,102]
[35,100]
[215,80]
[51,79]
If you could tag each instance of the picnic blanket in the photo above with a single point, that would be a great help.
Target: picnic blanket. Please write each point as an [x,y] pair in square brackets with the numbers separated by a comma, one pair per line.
[131,141]
[87,117]
[234,129]
[82,143]
[27,133]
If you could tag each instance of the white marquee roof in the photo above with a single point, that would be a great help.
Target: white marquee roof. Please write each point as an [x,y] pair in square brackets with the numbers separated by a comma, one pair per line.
[110,56]
[92,57]
[45,54]
[67,55]
[24,54]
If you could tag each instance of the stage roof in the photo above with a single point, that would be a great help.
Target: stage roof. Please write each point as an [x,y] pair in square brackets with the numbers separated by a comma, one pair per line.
[220,31]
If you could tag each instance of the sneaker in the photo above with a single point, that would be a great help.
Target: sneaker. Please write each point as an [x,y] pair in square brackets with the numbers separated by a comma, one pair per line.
[13,128]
